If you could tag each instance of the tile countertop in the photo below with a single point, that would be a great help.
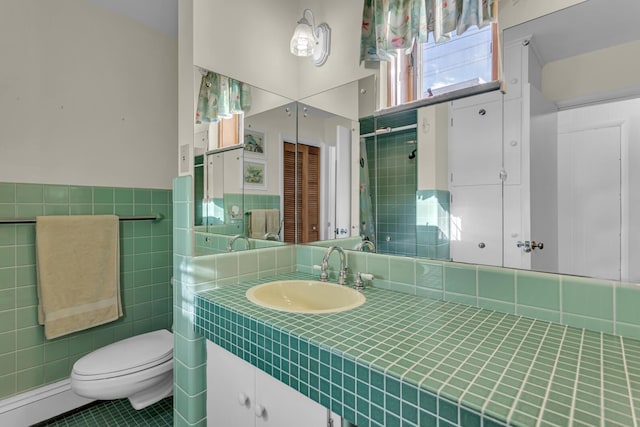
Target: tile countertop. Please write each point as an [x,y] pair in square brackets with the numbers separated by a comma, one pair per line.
[402,360]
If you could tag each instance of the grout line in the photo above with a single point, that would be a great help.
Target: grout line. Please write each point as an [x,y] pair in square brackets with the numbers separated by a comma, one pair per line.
[477,285]
[504,371]
[575,383]
[553,371]
[626,374]
[615,309]
[515,293]
[524,381]
[602,413]
[560,310]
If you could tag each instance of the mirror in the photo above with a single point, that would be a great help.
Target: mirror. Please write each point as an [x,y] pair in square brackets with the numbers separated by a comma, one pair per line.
[256,189]
[556,108]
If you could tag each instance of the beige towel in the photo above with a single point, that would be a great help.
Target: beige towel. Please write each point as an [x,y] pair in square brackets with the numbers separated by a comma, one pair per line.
[78,265]
[257,225]
[273,221]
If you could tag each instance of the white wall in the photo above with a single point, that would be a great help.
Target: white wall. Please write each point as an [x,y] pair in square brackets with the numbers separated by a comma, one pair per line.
[604,73]
[89,97]
[343,65]
[514,12]
[433,156]
[249,41]
[276,124]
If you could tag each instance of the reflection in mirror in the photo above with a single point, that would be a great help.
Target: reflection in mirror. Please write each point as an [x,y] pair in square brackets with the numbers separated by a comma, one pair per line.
[294,172]
[236,168]
[312,165]
[539,177]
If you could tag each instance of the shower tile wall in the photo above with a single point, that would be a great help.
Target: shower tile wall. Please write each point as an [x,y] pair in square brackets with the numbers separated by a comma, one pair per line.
[27,359]
[395,177]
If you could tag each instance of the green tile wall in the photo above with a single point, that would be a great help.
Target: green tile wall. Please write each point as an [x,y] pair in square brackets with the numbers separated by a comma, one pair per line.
[394,177]
[27,359]
[189,349]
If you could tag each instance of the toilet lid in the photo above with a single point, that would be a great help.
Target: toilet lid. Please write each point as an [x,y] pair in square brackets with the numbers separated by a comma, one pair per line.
[126,356]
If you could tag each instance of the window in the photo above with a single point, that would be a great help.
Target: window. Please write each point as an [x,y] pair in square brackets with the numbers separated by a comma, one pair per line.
[462,61]
[436,68]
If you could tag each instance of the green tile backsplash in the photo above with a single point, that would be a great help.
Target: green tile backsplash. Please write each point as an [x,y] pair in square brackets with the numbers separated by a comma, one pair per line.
[27,359]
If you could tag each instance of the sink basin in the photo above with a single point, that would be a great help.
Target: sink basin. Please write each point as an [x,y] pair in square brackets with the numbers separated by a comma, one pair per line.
[305,296]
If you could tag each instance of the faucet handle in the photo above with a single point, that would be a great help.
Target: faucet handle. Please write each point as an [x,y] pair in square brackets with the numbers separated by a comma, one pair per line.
[358,285]
[323,275]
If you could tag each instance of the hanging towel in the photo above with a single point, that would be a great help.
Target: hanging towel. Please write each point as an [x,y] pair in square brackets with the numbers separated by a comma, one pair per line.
[78,271]
[273,221]
[257,225]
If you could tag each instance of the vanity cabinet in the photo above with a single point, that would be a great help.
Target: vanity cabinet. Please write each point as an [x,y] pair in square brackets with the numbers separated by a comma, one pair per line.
[240,395]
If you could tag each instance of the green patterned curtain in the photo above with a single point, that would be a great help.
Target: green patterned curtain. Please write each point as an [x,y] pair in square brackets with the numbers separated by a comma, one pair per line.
[220,97]
[389,25]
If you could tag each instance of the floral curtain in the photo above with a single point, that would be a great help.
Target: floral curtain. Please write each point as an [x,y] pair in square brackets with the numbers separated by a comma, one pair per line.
[388,25]
[220,97]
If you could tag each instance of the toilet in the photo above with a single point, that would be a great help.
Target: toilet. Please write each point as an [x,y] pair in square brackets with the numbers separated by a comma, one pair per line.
[139,368]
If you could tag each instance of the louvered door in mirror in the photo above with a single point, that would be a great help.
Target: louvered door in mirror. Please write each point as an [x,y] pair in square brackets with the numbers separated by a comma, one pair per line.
[307,196]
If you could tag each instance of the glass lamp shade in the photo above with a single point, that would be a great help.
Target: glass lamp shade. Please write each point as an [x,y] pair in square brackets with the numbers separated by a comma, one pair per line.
[303,42]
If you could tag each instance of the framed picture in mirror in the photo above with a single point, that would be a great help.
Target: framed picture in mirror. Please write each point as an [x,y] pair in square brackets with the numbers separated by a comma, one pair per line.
[254,174]
[255,143]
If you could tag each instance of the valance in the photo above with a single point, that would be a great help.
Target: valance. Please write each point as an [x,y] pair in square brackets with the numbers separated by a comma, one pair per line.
[389,25]
[220,97]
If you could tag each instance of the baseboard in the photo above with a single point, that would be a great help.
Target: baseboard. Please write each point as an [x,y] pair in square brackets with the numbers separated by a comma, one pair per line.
[40,404]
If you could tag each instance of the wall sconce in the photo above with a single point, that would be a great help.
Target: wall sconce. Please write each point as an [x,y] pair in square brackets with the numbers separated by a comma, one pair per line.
[309,40]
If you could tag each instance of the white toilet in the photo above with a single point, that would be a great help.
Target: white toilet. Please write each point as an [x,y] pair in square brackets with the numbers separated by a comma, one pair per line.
[139,368]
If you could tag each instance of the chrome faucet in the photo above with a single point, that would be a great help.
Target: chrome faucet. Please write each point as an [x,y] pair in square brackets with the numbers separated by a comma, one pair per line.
[342,274]
[236,237]
[366,244]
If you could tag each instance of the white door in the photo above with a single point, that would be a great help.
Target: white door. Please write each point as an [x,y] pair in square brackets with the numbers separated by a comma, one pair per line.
[589,183]
[278,405]
[230,389]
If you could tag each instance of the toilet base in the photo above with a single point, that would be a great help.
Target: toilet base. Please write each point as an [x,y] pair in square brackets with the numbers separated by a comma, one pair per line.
[148,397]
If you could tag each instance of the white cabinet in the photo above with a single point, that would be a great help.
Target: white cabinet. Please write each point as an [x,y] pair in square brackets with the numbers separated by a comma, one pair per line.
[476,224]
[475,140]
[475,183]
[240,395]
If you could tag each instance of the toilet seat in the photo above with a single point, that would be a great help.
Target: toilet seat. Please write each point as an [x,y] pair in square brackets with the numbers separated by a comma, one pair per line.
[126,357]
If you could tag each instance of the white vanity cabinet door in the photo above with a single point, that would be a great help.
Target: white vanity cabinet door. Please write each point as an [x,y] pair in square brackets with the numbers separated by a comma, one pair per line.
[230,389]
[240,395]
[284,406]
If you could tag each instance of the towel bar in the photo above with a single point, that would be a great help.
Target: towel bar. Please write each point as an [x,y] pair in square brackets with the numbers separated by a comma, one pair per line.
[152,217]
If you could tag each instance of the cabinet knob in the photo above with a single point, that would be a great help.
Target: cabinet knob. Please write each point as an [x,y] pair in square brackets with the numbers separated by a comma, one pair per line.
[481,245]
[261,411]
[244,400]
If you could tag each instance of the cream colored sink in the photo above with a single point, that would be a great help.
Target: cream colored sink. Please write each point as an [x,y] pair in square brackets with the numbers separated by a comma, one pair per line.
[305,296]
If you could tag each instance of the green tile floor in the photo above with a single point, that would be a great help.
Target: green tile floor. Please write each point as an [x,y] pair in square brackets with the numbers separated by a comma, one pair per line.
[117,413]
